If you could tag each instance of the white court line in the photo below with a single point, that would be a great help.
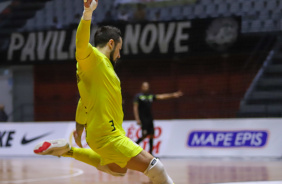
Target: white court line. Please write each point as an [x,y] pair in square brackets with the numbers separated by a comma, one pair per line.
[254,182]
[78,172]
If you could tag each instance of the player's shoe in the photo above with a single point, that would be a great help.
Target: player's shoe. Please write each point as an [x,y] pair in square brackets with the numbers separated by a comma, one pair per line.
[55,147]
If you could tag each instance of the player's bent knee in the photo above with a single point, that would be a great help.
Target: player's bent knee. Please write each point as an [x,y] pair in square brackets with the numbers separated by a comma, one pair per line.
[156,172]
[106,169]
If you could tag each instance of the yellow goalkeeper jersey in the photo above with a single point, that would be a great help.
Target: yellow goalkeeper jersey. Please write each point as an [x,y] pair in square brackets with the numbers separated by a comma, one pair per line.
[100,106]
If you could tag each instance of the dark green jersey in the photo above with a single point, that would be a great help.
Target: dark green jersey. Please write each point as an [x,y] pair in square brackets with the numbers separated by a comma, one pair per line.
[144,102]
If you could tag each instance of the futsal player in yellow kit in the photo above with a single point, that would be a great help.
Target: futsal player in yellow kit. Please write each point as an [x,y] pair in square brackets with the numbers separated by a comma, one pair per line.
[99,110]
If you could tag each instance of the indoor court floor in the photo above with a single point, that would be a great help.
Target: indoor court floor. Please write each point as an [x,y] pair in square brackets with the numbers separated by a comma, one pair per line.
[49,170]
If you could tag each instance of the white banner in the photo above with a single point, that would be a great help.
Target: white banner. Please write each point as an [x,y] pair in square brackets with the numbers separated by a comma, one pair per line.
[173,138]
[226,137]
[20,138]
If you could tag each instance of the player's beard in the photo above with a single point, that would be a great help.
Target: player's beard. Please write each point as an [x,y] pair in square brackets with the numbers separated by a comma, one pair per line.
[112,56]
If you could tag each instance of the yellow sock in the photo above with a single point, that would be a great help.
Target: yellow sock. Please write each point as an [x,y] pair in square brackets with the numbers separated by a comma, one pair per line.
[87,156]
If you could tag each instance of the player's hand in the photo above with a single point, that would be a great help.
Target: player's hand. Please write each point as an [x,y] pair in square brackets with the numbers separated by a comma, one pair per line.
[178,94]
[77,138]
[139,122]
[90,5]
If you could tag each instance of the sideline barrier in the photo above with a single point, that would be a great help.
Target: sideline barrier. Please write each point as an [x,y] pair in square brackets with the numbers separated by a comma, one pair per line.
[173,138]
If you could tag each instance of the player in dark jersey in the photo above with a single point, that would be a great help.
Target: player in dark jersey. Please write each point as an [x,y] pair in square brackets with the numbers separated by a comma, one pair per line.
[142,108]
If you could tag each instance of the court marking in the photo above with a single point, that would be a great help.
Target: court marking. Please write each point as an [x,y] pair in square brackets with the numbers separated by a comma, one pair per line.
[253,182]
[77,173]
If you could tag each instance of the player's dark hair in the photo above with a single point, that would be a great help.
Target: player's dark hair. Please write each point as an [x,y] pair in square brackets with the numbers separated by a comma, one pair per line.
[105,33]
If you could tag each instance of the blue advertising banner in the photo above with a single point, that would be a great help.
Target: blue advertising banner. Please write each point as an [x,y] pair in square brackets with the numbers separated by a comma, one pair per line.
[227,139]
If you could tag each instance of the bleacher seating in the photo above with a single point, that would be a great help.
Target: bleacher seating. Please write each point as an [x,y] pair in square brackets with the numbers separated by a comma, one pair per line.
[257,15]
[264,97]
[176,13]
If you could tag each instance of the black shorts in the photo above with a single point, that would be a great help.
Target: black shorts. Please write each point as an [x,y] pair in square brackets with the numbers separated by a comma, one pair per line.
[147,128]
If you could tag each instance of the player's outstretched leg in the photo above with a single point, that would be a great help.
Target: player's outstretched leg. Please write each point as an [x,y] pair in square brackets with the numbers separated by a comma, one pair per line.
[90,157]
[61,147]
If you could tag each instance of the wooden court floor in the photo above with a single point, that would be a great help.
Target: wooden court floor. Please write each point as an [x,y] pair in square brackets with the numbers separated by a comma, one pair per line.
[48,170]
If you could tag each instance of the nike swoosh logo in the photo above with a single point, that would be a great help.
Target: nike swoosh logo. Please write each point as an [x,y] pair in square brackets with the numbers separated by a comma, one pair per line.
[26,141]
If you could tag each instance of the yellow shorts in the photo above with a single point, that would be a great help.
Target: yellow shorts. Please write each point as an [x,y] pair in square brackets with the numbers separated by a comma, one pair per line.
[118,150]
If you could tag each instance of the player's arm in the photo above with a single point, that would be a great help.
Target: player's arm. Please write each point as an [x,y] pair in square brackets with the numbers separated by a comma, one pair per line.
[136,113]
[83,47]
[169,95]
[77,134]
